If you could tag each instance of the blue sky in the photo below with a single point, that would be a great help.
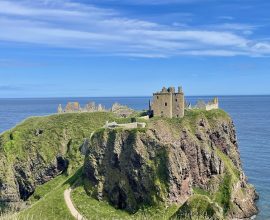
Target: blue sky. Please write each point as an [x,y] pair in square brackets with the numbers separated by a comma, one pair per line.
[59,48]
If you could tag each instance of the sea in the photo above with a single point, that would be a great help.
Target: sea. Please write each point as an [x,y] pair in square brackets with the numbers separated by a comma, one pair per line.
[251,116]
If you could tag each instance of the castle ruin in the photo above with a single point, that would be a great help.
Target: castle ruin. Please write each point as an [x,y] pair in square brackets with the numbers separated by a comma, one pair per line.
[214,104]
[168,103]
[117,109]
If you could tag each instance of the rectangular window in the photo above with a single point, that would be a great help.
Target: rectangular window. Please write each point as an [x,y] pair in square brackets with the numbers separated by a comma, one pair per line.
[166,104]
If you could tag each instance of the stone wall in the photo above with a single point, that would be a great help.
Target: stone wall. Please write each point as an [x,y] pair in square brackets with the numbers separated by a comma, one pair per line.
[119,110]
[132,125]
[162,105]
[211,106]
[178,105]
[214,104]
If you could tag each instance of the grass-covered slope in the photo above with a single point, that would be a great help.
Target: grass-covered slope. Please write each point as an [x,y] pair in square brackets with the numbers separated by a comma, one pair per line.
[41,148]
[190,167]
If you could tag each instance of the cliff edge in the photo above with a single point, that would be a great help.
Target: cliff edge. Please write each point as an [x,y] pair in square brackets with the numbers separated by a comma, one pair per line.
[192,162]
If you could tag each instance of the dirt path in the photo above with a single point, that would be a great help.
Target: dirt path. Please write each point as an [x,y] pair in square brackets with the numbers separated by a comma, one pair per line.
[70,205]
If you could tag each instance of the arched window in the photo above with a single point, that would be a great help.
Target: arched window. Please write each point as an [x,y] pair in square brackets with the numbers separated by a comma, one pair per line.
[166,104]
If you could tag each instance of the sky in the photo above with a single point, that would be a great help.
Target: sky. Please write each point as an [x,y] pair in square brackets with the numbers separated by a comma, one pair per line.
[84,48]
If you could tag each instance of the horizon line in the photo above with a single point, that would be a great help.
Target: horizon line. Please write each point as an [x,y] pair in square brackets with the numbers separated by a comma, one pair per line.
[132,96]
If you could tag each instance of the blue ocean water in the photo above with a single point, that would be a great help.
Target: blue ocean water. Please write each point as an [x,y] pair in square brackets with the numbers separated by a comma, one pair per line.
[251,116]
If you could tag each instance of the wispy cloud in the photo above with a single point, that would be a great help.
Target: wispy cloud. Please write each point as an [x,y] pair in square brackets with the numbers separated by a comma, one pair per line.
[65,24]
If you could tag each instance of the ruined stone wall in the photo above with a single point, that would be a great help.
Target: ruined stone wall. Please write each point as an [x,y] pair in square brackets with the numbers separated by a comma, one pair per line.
[162,105]
[214,104]
[178,105]
[211,106]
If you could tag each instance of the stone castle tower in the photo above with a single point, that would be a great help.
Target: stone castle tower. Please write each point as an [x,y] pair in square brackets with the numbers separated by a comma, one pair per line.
[168,103]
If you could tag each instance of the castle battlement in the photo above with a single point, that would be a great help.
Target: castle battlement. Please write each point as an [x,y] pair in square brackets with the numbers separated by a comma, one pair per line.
[169,90]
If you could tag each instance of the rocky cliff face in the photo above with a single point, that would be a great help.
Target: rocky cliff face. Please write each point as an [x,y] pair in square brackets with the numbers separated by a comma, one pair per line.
[192,161]
[41,148]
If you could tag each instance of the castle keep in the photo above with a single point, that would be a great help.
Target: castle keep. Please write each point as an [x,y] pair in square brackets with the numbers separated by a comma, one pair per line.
[168,103]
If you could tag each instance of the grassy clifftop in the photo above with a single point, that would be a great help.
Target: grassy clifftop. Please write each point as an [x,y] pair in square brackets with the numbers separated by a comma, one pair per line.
[51,135]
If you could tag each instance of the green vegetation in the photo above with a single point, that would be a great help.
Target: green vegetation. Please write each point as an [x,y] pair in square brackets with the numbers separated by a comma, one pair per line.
[44,138]
[190,120]
[51,205]
[63,134]
[222,197]
[52,135]
[43,190]
[48,200]
[199,205]
[94,209]
[159,166]
[199,191]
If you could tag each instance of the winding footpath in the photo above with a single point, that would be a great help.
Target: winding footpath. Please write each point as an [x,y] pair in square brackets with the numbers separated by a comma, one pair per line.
[70,205]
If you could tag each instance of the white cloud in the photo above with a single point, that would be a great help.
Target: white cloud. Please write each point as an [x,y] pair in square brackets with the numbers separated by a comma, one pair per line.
[64,24]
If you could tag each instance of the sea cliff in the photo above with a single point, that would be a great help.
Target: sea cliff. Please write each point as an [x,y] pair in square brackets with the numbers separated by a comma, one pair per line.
[192,163]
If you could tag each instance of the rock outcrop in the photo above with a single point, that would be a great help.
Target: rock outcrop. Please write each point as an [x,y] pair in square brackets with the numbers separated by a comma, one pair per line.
[194,160]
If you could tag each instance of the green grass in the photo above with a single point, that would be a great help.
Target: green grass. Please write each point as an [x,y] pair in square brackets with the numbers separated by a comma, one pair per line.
[43,190]
[190,120]
[95,210]
[60,134]
[199,191]
[199,205]
[48,200]
[51,205]
[223,196]
[231,168]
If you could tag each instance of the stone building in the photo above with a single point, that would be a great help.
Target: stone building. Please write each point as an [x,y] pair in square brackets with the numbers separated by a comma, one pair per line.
[168,103]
